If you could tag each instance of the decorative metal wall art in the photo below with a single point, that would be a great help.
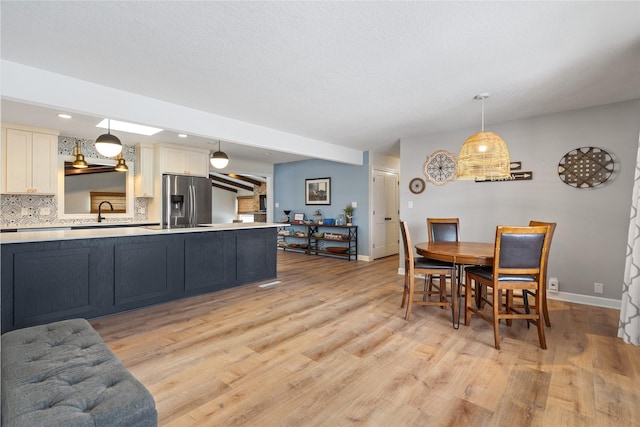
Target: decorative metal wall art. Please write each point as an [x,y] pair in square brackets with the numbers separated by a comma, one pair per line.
[585,167]
[440,167]
[416,185]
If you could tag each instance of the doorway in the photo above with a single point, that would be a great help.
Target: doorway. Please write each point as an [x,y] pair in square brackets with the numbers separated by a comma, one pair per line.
[385,213]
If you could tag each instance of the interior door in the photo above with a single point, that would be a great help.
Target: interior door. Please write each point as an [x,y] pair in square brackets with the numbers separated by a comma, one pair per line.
[385,214]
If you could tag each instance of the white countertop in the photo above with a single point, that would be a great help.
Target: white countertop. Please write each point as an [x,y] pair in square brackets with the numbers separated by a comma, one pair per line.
[95,233]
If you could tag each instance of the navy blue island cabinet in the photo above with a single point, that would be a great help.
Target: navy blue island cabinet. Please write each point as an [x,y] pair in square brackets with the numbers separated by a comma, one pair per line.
[54,280]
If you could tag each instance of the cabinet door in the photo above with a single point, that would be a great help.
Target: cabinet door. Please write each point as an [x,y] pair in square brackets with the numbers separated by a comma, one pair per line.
[30,162]
[209,261]
[17,151]
[256,251]
[44,156]
[198,163]
[144,171]
[50,281]
[146,269]
[175,161]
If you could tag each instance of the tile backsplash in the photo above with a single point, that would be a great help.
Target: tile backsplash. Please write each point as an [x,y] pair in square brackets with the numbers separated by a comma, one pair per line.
[27,210]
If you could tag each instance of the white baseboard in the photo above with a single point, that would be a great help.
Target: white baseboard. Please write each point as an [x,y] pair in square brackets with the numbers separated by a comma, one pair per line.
[585,299]
[576,298]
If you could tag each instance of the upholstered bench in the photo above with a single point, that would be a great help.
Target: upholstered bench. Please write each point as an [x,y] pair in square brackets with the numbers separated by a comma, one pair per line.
[63,374]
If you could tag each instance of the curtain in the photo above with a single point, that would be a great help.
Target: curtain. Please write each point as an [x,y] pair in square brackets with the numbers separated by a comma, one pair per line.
[629,329]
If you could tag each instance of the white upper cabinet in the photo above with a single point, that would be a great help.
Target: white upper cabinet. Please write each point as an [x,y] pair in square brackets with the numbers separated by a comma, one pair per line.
[182,160]
[144,171]
[29,161]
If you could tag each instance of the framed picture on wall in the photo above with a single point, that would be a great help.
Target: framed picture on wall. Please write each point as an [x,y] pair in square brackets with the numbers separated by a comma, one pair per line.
[318,191]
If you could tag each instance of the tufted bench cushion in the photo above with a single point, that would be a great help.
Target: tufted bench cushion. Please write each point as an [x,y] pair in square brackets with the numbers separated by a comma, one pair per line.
[63,374]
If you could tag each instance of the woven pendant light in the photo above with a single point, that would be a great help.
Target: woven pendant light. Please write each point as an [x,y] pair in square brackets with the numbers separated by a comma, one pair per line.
[484,155]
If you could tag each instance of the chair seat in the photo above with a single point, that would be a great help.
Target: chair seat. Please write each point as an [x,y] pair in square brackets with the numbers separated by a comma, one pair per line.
[428,263]
[487,273]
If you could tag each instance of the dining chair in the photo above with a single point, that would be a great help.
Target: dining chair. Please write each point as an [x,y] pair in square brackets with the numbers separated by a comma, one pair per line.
[444,230]
[419,265]
[543,275]
[519,254]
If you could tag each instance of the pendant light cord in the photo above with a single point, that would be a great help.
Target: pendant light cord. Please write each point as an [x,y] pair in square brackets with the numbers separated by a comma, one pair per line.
[482,114]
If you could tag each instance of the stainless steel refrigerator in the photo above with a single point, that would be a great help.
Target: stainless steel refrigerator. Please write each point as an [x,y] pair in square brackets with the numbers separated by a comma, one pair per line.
[186,201]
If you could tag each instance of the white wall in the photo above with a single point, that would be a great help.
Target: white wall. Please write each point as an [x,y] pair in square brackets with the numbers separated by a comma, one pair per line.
[224,206]
[590,240]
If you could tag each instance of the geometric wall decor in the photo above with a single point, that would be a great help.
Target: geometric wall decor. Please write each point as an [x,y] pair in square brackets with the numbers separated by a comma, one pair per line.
[585,167]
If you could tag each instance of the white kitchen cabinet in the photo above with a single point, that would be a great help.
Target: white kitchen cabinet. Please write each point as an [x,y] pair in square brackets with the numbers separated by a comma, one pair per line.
[29,161]
[183,160]
[144,181]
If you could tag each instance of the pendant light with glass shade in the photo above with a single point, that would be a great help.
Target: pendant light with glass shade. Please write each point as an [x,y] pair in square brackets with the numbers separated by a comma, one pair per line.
[219,160]
[108,145]
[79,162]
[484,156]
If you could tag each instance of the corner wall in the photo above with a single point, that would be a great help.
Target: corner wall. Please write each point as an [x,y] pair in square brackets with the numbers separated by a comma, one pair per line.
[590,240]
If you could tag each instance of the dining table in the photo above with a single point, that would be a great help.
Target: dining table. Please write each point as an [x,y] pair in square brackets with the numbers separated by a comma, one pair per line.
[460,254]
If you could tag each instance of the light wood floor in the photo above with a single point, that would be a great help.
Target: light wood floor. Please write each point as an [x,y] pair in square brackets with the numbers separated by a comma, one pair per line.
[330,347]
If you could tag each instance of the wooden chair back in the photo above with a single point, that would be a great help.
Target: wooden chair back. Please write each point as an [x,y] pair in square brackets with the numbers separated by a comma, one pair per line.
[443,229]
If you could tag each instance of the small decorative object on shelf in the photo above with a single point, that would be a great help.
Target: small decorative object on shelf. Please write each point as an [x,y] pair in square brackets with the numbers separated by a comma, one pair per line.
[287,214]
[348,211]
[317,216]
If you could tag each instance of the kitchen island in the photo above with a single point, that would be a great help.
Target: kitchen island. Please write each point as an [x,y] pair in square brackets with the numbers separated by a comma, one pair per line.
[61,274]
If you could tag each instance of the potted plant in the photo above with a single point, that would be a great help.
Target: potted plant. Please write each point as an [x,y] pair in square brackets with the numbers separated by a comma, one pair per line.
[348,211]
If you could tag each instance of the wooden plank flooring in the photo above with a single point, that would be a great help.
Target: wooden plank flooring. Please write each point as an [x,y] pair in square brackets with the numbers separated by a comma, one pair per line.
[329,347]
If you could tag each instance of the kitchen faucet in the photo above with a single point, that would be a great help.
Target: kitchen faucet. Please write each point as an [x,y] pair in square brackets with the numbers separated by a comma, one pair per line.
[100,217]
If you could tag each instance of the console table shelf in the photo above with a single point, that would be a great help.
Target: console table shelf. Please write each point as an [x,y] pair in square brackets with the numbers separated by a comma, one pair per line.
[315,239]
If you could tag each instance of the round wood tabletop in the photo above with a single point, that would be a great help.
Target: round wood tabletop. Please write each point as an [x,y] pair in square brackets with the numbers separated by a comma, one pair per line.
[467,253]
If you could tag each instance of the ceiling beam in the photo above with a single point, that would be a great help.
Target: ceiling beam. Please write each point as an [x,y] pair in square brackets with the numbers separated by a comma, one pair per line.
[223,187]
[245,178]
[229,182]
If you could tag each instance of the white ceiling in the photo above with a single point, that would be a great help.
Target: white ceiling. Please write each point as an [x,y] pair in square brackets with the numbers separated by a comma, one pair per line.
[355,74]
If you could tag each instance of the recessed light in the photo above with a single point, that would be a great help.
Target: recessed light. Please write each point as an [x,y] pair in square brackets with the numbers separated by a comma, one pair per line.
[129,127]
[182,135]
[64,116]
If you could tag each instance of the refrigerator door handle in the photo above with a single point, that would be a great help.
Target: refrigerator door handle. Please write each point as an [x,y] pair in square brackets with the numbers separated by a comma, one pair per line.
[190,213]
[192,217]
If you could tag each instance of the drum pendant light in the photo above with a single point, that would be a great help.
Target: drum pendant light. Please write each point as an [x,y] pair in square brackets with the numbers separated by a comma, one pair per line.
[108,145]
[79,162]
[219,160]
[484,155]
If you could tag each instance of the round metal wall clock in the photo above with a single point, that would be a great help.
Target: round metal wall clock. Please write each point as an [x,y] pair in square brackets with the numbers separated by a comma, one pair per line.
[440,167]
[585,167]
[416,185]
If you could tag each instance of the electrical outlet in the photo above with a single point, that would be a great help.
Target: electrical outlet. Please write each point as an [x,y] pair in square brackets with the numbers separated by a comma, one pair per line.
[553,284]
[598,288]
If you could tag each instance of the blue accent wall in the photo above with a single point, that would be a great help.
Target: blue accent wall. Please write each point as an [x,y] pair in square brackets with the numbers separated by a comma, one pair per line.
[349,183]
